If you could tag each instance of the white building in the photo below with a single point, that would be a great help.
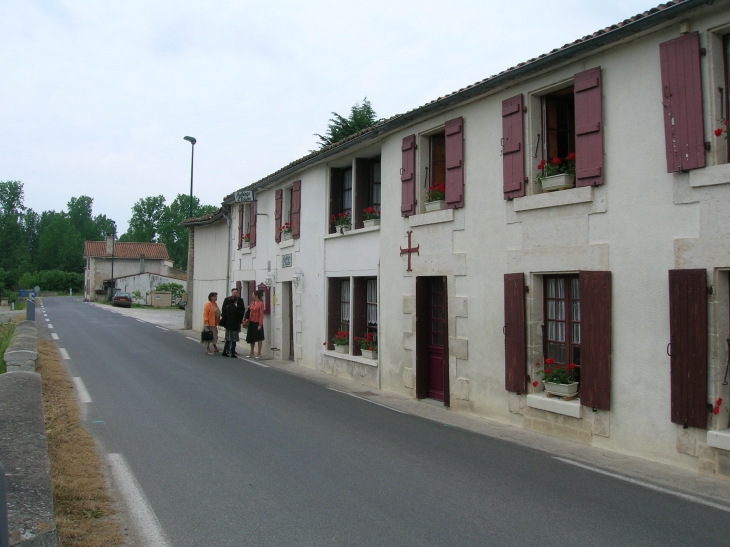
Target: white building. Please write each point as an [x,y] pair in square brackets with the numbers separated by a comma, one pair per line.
[621,270]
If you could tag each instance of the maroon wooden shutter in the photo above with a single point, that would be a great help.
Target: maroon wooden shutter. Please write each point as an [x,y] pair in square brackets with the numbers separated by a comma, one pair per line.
[595,339]
[277,214]
[336,179]
[240,226]
[359,311]
[423,316]
[587,90]
[513,148]
[362,175]
[252,225]
[455,163]
[515,333]
[296,208]
[688,346]
[682,100]
[408,176]
[333,311]
[239,285]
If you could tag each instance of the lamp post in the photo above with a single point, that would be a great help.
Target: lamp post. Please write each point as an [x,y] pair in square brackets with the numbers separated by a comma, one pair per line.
[192,141]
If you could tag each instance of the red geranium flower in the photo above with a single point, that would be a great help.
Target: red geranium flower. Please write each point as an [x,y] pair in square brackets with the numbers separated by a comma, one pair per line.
[571,365]
[718,132]
[556,161]
[570,157]
[534,384]
[547,371]
[549,361]
[537,365]
[541,165]
[716,410]
[719,401]
[370,348]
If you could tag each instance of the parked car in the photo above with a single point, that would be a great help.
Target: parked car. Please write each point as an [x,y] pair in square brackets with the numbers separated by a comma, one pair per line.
[122,299]
[181,304]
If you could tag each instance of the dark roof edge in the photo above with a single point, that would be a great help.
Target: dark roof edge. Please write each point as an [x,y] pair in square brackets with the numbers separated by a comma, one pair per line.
[210,218]
[655,18]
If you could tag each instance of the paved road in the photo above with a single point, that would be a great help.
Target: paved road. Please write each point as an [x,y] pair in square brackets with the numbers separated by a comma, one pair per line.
[231,453]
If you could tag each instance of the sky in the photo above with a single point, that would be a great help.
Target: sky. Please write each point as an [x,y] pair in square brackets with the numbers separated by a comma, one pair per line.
[97,96]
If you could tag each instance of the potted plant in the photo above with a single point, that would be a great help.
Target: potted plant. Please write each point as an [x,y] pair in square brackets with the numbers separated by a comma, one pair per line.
[557,174]
[435,197]
[247,240]
[341,340]
[368,346]
[285,231]
[559,380]
[720,131]
[342,222]
[372,217]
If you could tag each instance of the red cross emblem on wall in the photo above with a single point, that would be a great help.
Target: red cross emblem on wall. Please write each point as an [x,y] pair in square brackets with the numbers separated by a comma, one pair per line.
[409,250]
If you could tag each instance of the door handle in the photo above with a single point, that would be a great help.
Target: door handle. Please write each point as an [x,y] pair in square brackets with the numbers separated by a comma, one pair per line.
[668,346]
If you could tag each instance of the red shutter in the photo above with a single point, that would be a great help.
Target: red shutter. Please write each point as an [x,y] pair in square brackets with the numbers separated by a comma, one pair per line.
[336,178]
[587,89]
[688,346]
[333,311]
[408,176]
[455,163]
[513,148]
[595,339]
[277,214]
[359,311]
[240,226]
[239,286]
[515,333]
[296,208]
[682,100]
[362,176]
[423,315]
[252,225]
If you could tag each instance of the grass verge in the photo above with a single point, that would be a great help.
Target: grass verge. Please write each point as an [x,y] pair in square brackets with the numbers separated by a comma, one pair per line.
[83,508]
[6,335]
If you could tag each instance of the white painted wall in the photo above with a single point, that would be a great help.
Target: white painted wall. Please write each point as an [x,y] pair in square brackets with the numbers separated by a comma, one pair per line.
[145,283]
[209,267]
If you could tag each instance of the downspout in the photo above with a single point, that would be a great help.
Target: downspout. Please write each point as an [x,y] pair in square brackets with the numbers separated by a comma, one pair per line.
[227,216]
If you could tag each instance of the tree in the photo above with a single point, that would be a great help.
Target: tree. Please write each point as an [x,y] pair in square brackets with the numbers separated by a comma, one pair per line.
[145,222]
[13,251]
[361,117]
[60,246]
[174,236]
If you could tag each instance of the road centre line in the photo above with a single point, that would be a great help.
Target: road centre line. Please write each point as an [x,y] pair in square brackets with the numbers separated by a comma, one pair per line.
[254,362]
[686,497]
[54,336]
[366,400]
[64,353]
[49,326]
[47,319]
[84,396]
[161,328]
[145,518]
[139,320]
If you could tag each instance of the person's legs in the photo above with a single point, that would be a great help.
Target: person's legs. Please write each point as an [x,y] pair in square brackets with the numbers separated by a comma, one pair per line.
[225,348]
[260,343]
[251,354]
[233,349]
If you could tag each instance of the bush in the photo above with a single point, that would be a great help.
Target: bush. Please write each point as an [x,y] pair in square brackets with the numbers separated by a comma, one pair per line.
[176,289]
[52,280]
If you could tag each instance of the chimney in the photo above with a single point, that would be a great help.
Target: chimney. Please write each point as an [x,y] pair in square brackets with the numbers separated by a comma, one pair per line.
[141,263]
[109,245]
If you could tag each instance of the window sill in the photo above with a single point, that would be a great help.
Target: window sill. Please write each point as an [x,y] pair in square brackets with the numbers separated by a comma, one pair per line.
[558,406]
[554,199]
[348,357]
[245,250]
[434,217]
[710,176]
[284,243]
[353,232]
[719,439]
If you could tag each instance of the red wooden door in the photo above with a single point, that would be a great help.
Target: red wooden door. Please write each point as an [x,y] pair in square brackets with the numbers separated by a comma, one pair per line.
[437,338]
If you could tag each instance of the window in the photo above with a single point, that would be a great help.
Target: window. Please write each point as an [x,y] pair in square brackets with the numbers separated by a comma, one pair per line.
[559,123]
[287,204]
[347,191]
[371,304]
[437,159]
[340,194]
[562,319]
[345,305]
[374,190]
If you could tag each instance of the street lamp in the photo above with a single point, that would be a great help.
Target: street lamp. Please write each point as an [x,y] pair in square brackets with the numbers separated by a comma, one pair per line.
[192,141]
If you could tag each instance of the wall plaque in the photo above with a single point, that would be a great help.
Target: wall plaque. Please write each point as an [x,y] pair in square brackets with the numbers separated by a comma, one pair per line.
[286,261]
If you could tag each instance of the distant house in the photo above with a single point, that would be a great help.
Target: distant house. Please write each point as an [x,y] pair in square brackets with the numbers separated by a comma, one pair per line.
[127,266]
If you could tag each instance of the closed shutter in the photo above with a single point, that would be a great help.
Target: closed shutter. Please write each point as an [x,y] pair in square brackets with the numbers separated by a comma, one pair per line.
[595,339]
[336,178]
[455,163]
[296,207]
[240,226]
[358,302]
[515,333]
[688,346]
[333,311]
[682,100]
[277,214]
[587,89]
[252,225]
[423,315]
[239,286]
[362,175]
[513,148]
[408,176]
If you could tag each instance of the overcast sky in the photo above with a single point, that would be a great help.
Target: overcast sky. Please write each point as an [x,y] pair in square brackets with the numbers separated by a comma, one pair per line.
[96,96]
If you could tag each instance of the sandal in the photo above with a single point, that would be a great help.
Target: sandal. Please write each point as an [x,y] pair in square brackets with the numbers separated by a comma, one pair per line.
[207,352]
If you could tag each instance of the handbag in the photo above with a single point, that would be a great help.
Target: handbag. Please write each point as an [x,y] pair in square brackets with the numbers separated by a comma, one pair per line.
[247,314]
[206,335]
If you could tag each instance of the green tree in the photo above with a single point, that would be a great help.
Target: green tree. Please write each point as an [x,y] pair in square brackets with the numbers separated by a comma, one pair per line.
[13,250]
[104,226]
[145,222]
[31,223]
[174,236]
[361,117]
[60,246]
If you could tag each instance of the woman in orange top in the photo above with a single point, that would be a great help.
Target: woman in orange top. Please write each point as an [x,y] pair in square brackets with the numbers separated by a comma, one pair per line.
[255,331]
[211,318]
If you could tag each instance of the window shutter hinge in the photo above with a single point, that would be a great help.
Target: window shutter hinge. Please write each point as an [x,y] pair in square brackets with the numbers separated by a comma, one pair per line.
[710,290]
[527,288]
[524,109]
[703,52]
[708,145]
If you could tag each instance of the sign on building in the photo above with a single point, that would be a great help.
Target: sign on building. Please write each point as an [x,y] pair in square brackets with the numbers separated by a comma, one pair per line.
[243,196]
[286,261]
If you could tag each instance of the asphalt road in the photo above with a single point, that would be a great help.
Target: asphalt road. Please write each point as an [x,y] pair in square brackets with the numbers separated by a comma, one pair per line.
[231,453]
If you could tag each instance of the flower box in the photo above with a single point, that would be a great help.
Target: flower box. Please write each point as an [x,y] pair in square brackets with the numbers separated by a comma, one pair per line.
[562,390]
[341,229]
[369,354]
[557,182]
[285,236]
[437,205]
[342,349]
[371,223]
[245,244]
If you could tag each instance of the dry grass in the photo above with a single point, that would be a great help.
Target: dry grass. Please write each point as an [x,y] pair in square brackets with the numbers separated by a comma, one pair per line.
[6,335]
[83,508]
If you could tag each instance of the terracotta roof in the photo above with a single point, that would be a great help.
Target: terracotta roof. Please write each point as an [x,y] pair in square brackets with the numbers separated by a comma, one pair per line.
[127,250]
[210,218]
[619,31]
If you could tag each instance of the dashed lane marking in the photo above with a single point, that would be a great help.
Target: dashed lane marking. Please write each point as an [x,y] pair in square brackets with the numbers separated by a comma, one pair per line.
[161,328]
[366,400]
[140,320]
[84,396]
[64,353]
[54,336]
[49,326]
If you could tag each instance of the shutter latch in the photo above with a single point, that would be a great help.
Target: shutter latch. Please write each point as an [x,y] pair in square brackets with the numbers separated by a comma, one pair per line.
[703,52]
[710,290]
[707,146]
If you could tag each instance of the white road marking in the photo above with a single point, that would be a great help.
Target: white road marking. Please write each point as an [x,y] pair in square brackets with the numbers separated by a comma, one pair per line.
[140,321]
[191,338]
[54,336]
[47,319]
[161,328]
[149,527]
[84,396]
[686,497]
[366,400]
[49,326]
[252,360]
[64,353]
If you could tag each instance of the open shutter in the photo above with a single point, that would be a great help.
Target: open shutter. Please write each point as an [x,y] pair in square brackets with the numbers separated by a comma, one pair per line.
[682,100]
[688,346]
[336,179]
[455,163]
[240,225]
[252,225]
[513,148]
[362,173]
[515,333]
[333,311]
[423,315]
[595,339]
[296,207]
[359,311]
[277,214]
[408,176]
[587,90]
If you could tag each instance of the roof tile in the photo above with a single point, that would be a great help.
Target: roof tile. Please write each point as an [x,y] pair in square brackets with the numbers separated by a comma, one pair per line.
[127,250]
